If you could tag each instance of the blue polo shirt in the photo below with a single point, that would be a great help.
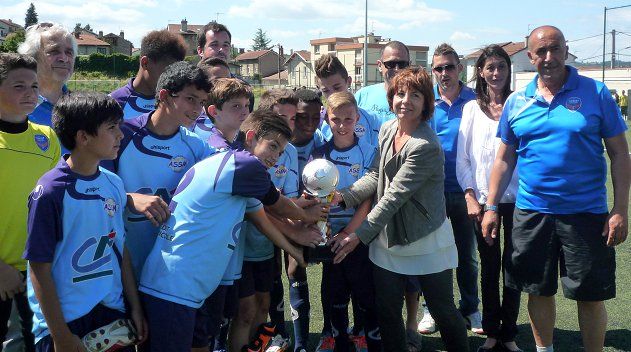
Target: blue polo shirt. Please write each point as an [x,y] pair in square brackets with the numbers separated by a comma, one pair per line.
[43,113]
[446,123]
[562,168]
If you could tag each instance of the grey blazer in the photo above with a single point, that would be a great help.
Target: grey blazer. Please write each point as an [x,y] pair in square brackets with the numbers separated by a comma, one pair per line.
[408,188]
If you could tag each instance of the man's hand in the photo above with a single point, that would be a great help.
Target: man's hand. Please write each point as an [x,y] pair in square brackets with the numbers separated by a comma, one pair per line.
[11,282]
[616,227]
[72,343]
[307,235]
[337,198]
[297,253]
[304,202]
[140,323]
[474,210]
[316,213]
[490,226]
[153,207]
[342,244]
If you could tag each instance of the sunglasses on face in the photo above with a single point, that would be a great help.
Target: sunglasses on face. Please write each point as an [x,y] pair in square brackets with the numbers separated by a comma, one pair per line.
[396,64]
[448,68]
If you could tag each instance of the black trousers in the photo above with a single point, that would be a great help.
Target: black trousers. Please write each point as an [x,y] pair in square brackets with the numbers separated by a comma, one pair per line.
[26,319]
[438,292]
[499,314]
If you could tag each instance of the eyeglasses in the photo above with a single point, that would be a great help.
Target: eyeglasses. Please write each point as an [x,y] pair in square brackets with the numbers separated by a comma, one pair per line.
[396,64]
[448,67]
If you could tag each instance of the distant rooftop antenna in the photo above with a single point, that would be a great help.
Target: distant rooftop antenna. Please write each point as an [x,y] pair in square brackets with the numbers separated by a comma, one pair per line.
[372,27]
[217,16]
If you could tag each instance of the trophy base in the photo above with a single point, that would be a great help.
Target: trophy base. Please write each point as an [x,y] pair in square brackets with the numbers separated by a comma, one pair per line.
[320,254]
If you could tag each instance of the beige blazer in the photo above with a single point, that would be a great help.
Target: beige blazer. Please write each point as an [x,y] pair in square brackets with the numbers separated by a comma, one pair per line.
[408,188]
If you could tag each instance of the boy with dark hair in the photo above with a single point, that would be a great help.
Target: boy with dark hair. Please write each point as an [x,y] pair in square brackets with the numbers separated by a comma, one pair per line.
[158,50]
[214,40]
[350,275]
[194,251]
[227,107]
[79,267]
[215,68]
[27,151]
[157,149]
[332,77]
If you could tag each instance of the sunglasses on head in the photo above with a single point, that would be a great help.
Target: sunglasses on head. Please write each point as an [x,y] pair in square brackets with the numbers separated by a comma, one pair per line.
[396,64]
[448,67]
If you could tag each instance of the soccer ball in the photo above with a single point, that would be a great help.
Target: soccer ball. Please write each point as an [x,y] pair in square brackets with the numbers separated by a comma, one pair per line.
[320,177]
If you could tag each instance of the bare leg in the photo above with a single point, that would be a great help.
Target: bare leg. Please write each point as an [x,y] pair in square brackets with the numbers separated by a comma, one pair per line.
[542,314]
[592,320]
[411,304]
[240,326]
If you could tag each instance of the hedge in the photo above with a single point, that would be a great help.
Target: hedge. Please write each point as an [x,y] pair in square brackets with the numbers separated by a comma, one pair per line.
[118,65]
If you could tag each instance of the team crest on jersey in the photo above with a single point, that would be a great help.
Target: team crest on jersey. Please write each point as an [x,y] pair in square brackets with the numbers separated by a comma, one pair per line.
[573,103]
[354,170]
[37,192]
[42,142]
[178,163]
[281,171]
[110,206]
[360,130]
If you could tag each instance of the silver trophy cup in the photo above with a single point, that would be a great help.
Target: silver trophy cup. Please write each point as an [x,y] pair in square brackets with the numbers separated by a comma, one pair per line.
[320,178]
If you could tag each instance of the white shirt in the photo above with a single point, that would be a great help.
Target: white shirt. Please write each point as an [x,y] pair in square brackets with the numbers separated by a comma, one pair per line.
[477,146]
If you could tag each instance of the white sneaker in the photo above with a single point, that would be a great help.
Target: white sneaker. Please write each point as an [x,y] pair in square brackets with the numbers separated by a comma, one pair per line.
[278,344]
[475,322]
[427,325]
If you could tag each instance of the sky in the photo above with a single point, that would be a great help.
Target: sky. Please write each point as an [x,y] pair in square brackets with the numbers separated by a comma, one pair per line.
[467,25]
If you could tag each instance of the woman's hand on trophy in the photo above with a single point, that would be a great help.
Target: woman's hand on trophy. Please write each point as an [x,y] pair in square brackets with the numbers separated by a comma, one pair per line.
[337,198]
[342,244]
[307,235]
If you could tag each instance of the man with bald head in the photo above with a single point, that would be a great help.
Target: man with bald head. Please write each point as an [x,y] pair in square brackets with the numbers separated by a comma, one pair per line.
[553,131]
[395,56]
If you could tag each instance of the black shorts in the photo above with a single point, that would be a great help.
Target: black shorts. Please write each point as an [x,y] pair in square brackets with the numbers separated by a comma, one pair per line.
[256,277]
[572,246]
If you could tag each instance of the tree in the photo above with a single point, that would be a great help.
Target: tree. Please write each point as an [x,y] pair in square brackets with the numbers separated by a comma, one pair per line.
[12,41]
[261,41]
[77,28]
[31,16]
[87,28]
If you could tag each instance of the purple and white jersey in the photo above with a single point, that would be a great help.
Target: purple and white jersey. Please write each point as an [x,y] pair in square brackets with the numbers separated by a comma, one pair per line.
[76,224]
[207,131]
[152,164]
[132,102]
[194,246]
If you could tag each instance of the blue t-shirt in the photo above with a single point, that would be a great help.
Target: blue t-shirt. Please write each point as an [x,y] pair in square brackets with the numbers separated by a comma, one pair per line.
[205,128]
[374,99]
[562,169]
[304,154]
[446,123]
[284,175]
[152,164]
[132,102]
[76,224]
[43,114]
[352,163]
[195,245]
[367,128]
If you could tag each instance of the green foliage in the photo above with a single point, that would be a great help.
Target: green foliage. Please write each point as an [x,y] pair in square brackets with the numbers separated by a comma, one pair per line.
[12,42]
[116,65]
[194,59]
[261,41]
[256,78]
[31,16]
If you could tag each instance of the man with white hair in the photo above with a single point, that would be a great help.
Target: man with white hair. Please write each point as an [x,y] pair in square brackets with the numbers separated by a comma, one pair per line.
[54,48]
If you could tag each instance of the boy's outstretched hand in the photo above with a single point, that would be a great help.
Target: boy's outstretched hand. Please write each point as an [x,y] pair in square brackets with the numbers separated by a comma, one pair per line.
[11,282]
[153,207]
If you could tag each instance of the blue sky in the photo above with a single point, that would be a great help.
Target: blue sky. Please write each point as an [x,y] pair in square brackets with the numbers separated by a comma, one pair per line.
[465,24]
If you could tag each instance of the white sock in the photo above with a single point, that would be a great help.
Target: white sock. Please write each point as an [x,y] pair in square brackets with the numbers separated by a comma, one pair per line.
[545,349]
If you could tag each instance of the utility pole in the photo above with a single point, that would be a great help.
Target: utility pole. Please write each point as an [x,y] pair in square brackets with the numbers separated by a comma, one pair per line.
[280,56]
[217,16]
[613,48]
[365,59]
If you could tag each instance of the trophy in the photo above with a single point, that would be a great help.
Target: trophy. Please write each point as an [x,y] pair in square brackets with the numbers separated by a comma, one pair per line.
[320,177]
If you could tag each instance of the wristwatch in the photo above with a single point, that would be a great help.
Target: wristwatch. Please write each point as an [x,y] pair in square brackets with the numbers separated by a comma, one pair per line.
[488,207]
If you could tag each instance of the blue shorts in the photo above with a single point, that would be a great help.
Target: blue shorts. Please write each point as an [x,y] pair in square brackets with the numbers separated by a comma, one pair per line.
[99,316]
[171,325]
[223,303]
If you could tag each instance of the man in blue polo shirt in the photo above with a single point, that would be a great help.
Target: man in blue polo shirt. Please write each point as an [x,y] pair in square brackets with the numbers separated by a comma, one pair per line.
[553,130]
[451,96]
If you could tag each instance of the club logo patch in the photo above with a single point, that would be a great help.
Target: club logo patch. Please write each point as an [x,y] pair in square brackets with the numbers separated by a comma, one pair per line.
[37,192]
[573,103]
[178,163]
[360,130]
[42,142]
[110,207]
[281,171]
[354,170]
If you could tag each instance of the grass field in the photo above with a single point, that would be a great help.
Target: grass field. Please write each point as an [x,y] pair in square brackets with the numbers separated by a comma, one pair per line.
[567,337]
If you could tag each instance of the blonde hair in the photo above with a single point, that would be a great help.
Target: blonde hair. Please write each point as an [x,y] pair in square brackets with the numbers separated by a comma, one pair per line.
[340,99]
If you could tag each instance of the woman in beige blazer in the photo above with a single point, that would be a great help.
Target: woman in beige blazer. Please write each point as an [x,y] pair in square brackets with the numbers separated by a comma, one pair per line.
[406,230]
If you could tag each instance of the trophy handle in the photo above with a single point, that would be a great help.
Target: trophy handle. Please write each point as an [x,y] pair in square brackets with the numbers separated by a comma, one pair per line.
[322,224]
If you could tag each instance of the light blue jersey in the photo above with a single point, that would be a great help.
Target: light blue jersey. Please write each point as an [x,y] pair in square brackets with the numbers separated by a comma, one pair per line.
[194,247]
[367,127]
[151,164]
[205,129]
[352,163]
[374,99]
[285,177]
[562,169]
[304,153]
[133,103]
[76,224]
